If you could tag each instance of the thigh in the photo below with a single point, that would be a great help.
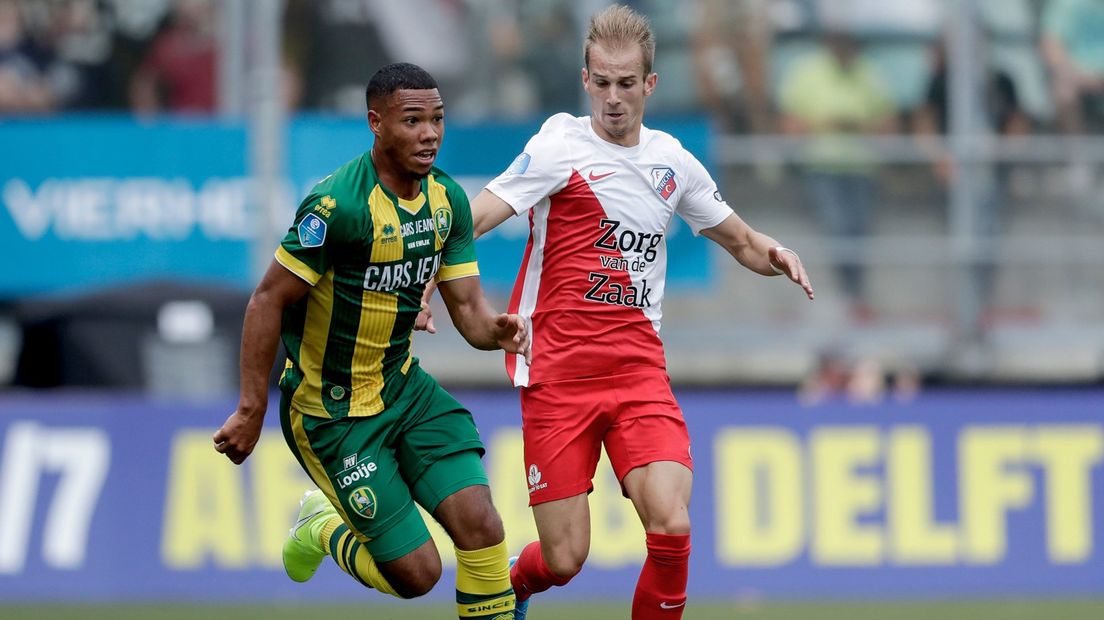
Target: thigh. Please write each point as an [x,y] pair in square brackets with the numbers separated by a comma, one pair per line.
[562,424]
[434,429]
[445,478]
[649,426]
[563,527]
[349,460]
[660,492]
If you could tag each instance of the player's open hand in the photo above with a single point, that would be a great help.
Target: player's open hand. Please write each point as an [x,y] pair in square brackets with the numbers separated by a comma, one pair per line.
[789,263]
[512,335]
[424,320]
[238,436]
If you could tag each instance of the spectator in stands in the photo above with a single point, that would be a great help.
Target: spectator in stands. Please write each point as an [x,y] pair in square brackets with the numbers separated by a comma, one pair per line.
[836,99]
[551,35]
[1073,48]
[350,39]
[1072,44]
[1003,115]
[730,43]
[179,72]
[502,88]
[81,34]
[24,66]
[858,380]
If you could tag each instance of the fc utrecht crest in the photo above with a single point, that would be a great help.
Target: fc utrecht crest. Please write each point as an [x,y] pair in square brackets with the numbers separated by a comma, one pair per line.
[663,179]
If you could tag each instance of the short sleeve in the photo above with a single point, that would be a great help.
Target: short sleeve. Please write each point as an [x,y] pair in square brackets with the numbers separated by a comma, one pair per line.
[542,169]
[309,247]
[458,253]
[701,205]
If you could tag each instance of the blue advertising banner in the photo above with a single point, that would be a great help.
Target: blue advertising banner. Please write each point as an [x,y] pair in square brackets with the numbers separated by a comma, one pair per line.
[955,494]
[92,202]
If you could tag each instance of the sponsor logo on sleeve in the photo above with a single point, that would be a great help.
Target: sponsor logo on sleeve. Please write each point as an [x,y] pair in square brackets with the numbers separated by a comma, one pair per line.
[312,231]
[326,206]
[520,164]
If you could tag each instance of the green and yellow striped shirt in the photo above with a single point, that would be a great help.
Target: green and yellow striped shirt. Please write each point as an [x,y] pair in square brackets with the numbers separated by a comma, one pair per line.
[368,256]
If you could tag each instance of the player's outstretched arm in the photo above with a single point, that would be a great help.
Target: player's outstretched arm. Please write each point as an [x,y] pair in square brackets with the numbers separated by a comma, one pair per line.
[489,211]
[480,325]
[260,340]
[758,252]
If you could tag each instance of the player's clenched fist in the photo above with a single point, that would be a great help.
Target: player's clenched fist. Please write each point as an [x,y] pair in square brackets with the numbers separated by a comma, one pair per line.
[238,436]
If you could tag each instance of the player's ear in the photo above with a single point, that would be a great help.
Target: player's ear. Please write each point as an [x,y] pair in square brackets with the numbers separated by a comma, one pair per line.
[586,77]
[650,83]
[374,121]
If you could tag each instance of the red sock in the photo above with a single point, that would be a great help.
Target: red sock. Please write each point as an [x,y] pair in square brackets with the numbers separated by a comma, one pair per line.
[530,574]
[661,590]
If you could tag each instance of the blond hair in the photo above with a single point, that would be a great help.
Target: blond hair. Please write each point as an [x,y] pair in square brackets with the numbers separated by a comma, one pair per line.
[617,27]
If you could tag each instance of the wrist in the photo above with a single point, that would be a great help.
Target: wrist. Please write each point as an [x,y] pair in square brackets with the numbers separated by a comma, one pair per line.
[252,407]
[776,251]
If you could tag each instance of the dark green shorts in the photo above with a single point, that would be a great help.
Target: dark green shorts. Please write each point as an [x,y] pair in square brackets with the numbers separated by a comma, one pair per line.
[421,449]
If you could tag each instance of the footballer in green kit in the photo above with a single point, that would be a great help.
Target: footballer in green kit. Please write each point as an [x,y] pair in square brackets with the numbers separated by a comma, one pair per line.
[376,433]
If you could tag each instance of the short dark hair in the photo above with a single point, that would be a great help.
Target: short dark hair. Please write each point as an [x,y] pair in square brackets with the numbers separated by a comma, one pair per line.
[397,76]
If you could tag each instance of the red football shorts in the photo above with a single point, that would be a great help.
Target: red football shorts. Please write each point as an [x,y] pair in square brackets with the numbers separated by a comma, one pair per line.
[565,423]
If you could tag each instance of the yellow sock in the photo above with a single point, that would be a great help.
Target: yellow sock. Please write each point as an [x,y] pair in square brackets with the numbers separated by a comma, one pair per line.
[352,557]
[483,583]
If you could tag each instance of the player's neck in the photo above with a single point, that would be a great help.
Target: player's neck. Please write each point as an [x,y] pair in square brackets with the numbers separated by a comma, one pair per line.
[398,182]
[630,139]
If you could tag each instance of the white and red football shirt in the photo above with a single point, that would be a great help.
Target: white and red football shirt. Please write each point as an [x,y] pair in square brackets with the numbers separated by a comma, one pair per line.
[591,281]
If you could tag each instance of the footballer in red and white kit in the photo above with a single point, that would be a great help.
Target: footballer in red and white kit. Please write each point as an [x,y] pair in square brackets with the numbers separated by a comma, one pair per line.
[591,283]
[600,192]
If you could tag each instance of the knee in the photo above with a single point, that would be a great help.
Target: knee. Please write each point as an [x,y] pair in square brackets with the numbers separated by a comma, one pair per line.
[480,529]
[675,524]
[565,563]
[413,585]
[415,573]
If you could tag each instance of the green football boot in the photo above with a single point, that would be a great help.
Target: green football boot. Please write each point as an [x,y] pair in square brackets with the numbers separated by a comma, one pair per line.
[303,547]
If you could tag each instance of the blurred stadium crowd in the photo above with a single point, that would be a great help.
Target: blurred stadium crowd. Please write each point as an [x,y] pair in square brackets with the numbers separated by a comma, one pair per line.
[495,58]
[937,159]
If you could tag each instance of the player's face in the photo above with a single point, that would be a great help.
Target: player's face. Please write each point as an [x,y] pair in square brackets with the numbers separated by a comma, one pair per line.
[409,127]
[617,86]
